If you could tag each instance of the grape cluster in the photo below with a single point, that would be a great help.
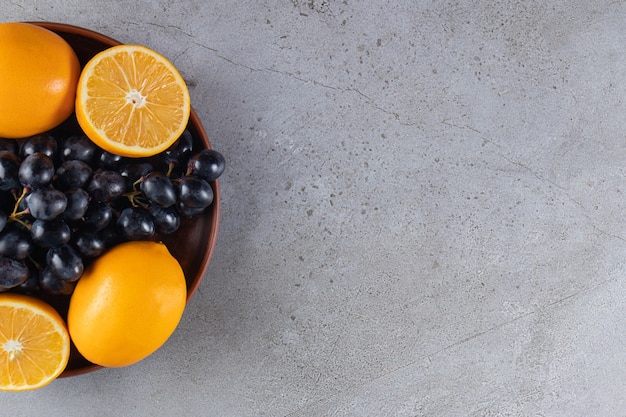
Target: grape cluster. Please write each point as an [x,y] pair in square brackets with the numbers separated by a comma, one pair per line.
[64,201]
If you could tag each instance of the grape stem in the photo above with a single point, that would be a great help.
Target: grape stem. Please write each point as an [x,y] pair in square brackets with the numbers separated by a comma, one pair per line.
[135,196]
[16,216]
[170,168]
[19,200]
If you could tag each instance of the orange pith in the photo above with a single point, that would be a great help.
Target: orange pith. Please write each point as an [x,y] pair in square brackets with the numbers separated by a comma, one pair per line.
[34,343]
[132,101]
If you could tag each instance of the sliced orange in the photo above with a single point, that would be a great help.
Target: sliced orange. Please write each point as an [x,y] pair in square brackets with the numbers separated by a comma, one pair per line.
[34,343]
[132,101]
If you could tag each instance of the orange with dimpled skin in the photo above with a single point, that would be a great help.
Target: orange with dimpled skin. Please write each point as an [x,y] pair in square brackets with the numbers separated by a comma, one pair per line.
[127,303]
[39,72]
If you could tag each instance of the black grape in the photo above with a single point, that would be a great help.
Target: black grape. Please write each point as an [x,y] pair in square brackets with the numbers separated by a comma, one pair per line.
[133,171]
[194,192]
[43,143]
[158,189]
[78,147]
[12,273]
[97,217]
[187,211]
[36,171]
[77,204]
[106,185]
[176,156]
[108,160]
[65,263]
[73,174]
[135,224]
[180,150]
[46,203]
[31,284]
[54,285]
[166,219]
[207,164]
[49,234]
[112,236]
[90,245]
[15,243]
[9,167]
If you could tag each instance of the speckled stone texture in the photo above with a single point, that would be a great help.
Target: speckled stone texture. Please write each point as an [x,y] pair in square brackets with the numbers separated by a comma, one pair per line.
[422,212]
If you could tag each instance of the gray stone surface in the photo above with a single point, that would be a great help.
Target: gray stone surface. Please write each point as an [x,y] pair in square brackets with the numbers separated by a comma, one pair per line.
[422,210]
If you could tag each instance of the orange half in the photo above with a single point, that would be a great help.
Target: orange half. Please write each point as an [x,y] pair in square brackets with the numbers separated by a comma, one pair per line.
[132,101]
[34,343]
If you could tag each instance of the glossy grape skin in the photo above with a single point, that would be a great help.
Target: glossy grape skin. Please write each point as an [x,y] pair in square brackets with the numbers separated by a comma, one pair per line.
[207,164]
[15,243]
[108,160]
[92,220]
[187,211]
[43,143]
[166,219]
[194,192]
[54,285]
[112,236]
[106,185]
[31,284]
[97,217]
[78,147]
[9,168]
[158,189]
[88,244]
[65,263]
[77,204]
[73,174]
[12,273]
[133,171]
[176,156]
[180,150]
[36,171]
[49,234]
[135,224]
[46,203]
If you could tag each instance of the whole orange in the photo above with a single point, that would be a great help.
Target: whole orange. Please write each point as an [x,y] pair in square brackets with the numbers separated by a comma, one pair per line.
[127,303]
[39,72]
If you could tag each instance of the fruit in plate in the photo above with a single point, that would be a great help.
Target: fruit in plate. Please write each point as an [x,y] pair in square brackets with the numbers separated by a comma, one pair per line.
[132,101]
[127,303]
[39,72]
[34,343]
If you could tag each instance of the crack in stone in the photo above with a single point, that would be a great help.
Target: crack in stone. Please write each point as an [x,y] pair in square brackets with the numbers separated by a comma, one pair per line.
[317,83]
[168,27]
[541,178]
[320,402]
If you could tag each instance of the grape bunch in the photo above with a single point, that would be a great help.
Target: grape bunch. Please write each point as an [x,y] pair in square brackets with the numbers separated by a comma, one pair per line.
[64,201]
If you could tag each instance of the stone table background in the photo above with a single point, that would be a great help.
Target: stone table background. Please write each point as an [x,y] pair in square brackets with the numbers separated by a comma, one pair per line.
[422,213]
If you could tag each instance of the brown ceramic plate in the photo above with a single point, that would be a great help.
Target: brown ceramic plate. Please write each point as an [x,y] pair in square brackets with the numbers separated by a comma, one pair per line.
[192,245]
